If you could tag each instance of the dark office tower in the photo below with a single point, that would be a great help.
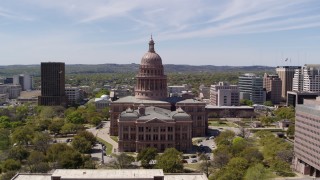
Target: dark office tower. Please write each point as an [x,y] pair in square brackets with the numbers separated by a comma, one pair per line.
[52,84]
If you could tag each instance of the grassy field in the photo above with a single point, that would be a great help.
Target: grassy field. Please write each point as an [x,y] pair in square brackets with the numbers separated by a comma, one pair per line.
[221,123]
[193,166]
[115,138]
[108,145]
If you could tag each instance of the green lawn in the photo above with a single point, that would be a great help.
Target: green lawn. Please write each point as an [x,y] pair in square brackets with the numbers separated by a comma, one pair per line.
[115,138]
[108,145]
[221,124]
[194,166]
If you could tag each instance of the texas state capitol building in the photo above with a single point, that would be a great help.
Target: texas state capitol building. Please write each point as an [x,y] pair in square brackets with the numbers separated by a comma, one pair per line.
[151,118]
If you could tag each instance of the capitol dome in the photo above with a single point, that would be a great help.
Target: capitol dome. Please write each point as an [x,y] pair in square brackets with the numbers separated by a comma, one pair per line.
[151,81]
[151,58]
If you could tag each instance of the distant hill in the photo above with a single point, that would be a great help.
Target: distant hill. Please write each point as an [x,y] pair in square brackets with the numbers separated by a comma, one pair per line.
[128,68]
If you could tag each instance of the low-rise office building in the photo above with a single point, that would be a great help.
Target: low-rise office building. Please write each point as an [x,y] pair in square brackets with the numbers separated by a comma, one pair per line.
[224,94]
[307,138]
[110,174]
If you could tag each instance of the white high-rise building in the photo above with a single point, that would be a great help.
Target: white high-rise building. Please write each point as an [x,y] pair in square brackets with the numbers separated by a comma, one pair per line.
[286,74]
[297,82]
[24,80]
[251,88]
[73,95]
[307,79]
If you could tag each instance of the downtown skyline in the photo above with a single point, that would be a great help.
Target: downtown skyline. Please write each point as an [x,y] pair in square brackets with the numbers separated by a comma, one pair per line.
[234,33]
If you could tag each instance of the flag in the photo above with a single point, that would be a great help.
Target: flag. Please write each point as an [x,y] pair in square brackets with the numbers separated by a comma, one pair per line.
[286,59]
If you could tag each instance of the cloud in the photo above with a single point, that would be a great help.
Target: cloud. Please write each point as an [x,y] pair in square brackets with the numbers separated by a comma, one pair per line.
[12,15]
[182,19]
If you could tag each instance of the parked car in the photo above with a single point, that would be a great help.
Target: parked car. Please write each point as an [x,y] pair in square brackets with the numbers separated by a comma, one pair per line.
[194,161]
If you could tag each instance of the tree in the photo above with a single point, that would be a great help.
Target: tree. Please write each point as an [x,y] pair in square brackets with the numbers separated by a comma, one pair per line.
[56,125]
[36,162]
[11,165]
[267,120]
[123,161]
[246,102]
[64,156]
[22,135]
[22,112]
[70,128]
[285,113]
[8,175]
[281,168]
[41,141]
[105,113]
[53,152]
[290,131]
[83,141]
[95,119]
[205,165]
[170,161]
[238,144]
[50,112]
[268,103]
[257,171]
[18,153]
[252,155]
[75,117]
[285,155]
[243,132]
[234,170]
[41,124]
[88,136]
[70,159]
[220,159]
[146,155]
[81,144]
[225,138]
[5,122]
[4,139]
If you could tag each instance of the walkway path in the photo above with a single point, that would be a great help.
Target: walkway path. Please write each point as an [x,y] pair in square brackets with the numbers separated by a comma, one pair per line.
[103,133]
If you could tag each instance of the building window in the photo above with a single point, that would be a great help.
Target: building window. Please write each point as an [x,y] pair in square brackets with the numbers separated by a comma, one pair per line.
[125,136]
[141,137]
[170,137]
[177,136]
[163,129]
[177,128]
[170,129]
[148,137]
[140,129]
[155,129]
[155,137]
[133,136]
[162,137]
[184,136]
[125,128]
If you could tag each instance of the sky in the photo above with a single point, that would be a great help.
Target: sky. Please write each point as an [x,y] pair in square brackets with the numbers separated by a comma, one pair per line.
[194,32]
